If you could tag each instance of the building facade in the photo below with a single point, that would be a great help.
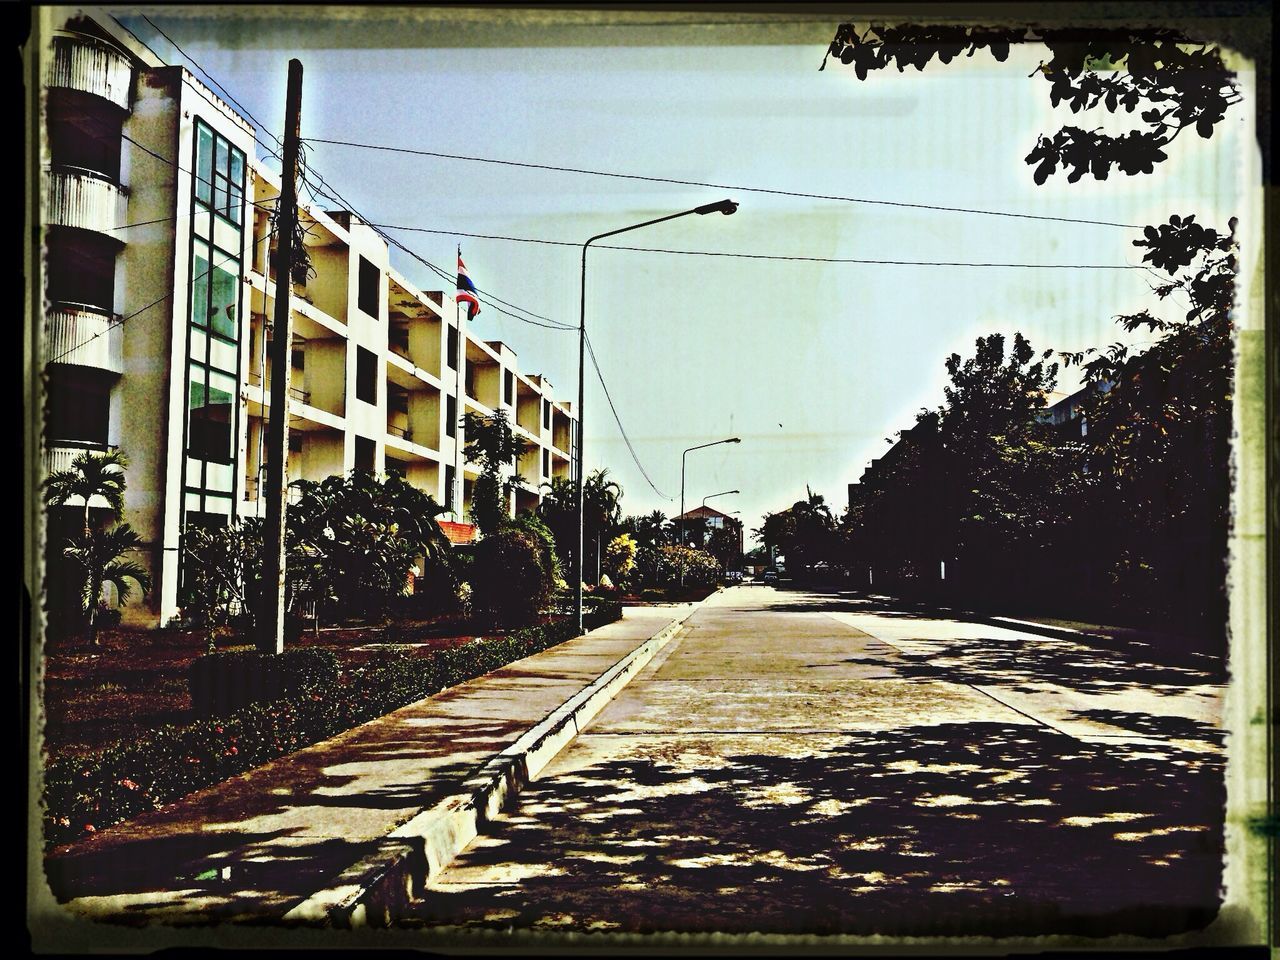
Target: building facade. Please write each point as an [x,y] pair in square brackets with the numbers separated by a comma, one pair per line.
[158,299]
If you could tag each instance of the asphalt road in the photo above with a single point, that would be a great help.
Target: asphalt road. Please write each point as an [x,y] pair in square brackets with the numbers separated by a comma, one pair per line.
[809,763]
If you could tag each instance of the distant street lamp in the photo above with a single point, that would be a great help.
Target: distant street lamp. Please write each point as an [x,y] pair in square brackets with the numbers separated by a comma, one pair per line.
[723,493]
[725,207]
[687,451]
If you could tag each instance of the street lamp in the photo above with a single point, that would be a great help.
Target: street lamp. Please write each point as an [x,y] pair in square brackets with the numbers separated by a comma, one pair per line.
[725,207]
[689,450]
[722,493]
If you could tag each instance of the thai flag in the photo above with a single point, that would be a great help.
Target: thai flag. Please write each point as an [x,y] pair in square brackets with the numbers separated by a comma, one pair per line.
[466,290]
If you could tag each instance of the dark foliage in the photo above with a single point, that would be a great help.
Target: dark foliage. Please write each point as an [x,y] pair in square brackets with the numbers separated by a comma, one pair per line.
[1176,81]
[509,577]
[227,681]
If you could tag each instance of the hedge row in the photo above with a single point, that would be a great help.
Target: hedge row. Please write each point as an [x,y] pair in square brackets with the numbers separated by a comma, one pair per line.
[88,793]
[223,682]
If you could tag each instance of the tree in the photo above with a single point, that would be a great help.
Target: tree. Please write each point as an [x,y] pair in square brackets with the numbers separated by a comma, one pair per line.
[723,543]
[981,480]
[558,509]
[620,557]
[91,475]
[1178,81]
[100,555]
[352,540]
[602,499]
[653,529]
[492,444]
[1160,428]
[804,533]
[510,581]
[223,573]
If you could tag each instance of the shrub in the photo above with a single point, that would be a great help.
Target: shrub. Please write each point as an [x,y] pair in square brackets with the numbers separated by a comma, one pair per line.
[620,557]
[229,680]
[533,525]
[661,567]
[510,584]
[88,793]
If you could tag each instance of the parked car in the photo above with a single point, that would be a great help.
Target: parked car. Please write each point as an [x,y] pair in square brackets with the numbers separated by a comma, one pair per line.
[770,576]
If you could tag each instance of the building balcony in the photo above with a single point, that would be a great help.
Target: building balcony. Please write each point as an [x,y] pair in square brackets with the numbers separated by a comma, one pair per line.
[84,336]
[76,197]
[90,66]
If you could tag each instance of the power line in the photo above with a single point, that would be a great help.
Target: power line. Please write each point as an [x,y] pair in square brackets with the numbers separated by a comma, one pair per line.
[720,186]
[767,256]
[191,173]
[618,421]
[161,299]
[549,324]
[484,296]
[208,76]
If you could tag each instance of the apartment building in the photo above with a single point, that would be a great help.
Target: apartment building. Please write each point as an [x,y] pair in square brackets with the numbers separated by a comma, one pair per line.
[159,294]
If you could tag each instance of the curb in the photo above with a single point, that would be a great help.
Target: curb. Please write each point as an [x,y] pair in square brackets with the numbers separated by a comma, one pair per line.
[369,891]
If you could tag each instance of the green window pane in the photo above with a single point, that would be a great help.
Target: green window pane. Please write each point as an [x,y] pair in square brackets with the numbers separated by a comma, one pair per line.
[222,388]
[220,161]
[222,301]
[200,286]
[235,197]
[234,202]
[196,386]
[204,163]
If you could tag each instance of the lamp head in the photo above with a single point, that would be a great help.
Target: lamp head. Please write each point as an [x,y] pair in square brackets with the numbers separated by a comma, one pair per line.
[724,206]
[734,440]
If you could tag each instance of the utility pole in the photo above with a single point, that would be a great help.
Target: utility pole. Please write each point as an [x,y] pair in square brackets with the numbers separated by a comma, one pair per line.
[271,628]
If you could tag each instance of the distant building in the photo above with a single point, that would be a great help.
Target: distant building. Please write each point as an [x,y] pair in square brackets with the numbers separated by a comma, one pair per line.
[1066,411]
[712,519]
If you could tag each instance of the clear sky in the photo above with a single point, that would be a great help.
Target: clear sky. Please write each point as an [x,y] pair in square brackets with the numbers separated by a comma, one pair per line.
[813,365]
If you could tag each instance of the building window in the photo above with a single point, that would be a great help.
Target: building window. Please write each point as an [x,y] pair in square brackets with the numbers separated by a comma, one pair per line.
[78,410]
[546,463]
[210,399]
[366,375]
[451,353]
[366,450]
[451,416]
[448,487]
[509,388]
[370,287]
[81,270]
[219,174]
[546,415]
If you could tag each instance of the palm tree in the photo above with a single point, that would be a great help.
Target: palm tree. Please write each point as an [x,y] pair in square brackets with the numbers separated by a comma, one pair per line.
[602,507]
[91,475]
[101,556]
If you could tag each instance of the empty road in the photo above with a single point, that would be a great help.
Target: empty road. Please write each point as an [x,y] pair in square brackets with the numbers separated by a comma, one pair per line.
[810,763]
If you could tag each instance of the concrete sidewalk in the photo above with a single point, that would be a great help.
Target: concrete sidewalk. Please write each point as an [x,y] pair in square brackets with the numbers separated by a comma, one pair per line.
[339,831]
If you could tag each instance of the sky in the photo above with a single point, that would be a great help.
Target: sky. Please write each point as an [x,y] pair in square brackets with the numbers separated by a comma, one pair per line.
[815,366]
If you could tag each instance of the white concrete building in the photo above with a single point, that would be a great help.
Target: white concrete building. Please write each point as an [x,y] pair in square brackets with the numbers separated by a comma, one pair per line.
[156,228]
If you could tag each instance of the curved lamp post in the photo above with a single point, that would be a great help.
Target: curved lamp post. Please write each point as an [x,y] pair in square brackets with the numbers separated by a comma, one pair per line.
[722,493]
[687,451]
[725,207]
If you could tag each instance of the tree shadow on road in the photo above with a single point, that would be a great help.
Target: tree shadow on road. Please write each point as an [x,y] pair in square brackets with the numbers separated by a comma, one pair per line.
[951,830]
[1010,659]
